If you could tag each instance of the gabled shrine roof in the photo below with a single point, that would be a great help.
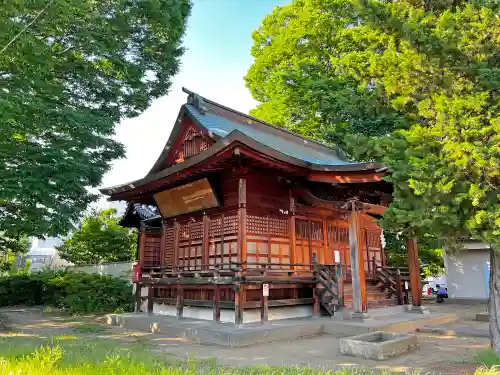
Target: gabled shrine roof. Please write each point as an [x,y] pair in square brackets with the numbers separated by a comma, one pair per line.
[282,141]
[228,127]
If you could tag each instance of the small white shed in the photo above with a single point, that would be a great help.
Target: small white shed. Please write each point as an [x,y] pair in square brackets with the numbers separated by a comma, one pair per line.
[468,272]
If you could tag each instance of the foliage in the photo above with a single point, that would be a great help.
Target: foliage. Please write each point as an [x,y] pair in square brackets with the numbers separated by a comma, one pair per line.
[69,71]
[70,291]
[411,84]
[99,239]
[10,247]
[431,253]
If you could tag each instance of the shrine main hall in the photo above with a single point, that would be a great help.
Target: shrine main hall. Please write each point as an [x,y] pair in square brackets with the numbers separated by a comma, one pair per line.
[242,221]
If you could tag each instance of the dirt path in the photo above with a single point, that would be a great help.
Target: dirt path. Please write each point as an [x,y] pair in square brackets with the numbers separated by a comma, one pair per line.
[437,354]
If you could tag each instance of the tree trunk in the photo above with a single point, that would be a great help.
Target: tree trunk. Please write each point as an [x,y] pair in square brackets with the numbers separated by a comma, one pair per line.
[494,302]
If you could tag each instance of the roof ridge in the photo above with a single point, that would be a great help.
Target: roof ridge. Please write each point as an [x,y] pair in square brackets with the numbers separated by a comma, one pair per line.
[196,103]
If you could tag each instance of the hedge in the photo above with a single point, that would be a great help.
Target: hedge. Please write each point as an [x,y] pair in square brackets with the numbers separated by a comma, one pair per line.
[74,292]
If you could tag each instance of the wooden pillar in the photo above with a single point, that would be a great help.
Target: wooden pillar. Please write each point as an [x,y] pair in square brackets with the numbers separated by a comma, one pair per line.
[162,245]
[138,297]
[238,298]
[150,299]
[205,241]
[242,221]
[315,301]
[414,267]
[175,261]
[142,246]
[357,264]
[180,300]
[216,313]
[292,230]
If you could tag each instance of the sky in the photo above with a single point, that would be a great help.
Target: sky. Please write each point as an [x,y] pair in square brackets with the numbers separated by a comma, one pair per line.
[218,42]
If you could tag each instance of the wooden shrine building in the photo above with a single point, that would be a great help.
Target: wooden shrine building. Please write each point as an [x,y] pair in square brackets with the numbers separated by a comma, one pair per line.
[243,221]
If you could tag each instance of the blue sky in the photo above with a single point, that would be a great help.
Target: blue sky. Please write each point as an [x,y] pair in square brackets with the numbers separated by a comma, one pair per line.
[218,42]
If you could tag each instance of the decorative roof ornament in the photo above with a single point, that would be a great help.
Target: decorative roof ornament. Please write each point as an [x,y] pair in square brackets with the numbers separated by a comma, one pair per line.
[197,101]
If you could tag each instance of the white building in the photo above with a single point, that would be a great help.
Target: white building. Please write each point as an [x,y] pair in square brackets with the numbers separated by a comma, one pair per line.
[468,272]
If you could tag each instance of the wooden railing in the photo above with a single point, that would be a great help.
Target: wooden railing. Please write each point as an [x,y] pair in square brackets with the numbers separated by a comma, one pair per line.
[322,279]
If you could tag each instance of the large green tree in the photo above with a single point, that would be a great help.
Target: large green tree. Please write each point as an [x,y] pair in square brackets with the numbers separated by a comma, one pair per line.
[414,84]
[69,71]
[99,239]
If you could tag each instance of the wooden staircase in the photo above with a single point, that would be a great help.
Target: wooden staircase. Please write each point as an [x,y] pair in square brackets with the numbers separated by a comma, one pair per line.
[328,289]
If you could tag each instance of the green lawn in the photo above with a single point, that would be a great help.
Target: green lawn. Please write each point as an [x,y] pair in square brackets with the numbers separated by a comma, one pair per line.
[70,355]
[90,355]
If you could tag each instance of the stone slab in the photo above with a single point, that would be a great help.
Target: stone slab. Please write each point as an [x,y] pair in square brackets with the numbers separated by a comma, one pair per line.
[483,317]
[378,345]
[228,334]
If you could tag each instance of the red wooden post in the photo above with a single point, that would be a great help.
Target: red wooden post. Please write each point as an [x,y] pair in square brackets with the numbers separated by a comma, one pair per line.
[292,231]
[176,247]
[216,296]
[142,246]
[205,240]
[162,245]
[414,266]
[242,221]
[238,298]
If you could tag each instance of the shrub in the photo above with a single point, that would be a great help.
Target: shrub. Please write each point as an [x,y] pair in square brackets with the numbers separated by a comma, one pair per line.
[73,292]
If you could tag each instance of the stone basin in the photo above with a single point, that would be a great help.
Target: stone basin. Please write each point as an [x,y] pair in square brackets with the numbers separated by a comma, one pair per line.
[378,345]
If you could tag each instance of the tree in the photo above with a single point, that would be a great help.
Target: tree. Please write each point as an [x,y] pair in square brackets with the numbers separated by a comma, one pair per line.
[10,248]
[413,84]
[69,71]
[100,239]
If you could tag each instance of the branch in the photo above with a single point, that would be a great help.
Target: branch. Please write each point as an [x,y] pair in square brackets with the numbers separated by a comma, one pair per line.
[26,27]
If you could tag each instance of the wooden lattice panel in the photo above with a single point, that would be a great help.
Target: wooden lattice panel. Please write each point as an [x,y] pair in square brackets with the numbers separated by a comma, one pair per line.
[230,224]
[152,250]
[257,224]
[337,234]
[302,229]
[279,226]
[169,245]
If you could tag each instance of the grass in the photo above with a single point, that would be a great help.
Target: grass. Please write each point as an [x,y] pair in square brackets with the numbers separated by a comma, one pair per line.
[70,355]
[73,355]
[488,358]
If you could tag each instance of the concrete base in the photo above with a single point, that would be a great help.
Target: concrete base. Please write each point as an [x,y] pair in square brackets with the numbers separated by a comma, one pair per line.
[378,345]
[361,317]
[483,317]
[418,309]
[228,334]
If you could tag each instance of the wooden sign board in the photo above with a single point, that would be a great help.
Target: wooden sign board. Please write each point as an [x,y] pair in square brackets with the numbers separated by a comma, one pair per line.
[195,196]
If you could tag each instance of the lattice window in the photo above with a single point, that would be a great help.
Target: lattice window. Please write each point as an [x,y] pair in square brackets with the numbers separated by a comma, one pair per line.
[214,228]
[230,225]
[338,234]
[302,229]
[278,226]
[257,224]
